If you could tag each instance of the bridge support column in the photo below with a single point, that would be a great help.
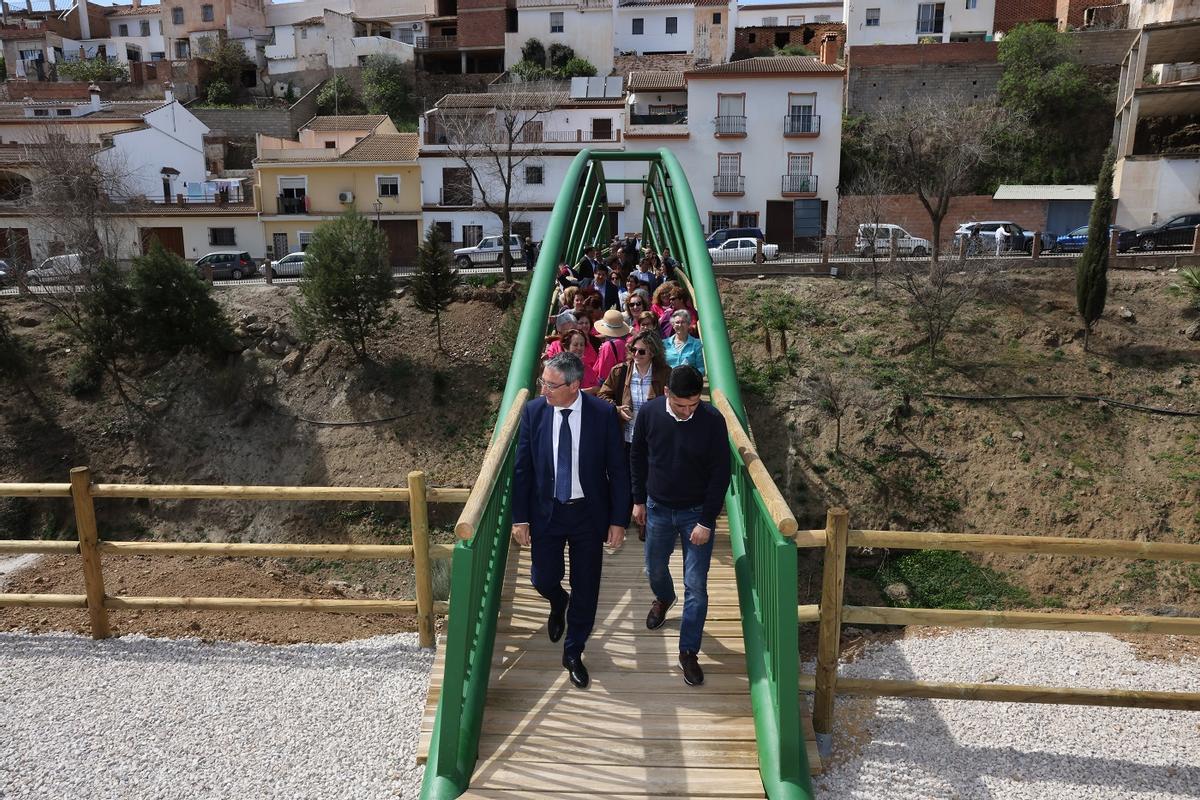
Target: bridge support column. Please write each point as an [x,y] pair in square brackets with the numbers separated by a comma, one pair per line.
[837,523]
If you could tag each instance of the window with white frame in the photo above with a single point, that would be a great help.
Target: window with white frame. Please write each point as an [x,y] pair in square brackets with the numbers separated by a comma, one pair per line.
[388,185]
[801,108]
[747,219]
[800,163]
[718,220]
[972,4]
[639,26]
[729,164]
[534,174]
[222,237]
[672,25]
[304,32]
[796,20]
[770,21]
[872,17]
[557,24]
[930,17]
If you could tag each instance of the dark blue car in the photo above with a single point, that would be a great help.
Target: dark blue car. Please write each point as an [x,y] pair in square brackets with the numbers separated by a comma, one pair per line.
[1076,240]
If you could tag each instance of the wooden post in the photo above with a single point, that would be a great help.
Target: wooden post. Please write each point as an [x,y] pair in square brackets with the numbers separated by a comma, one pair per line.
[758,256]
[269,272]
[829,640]
[1036,250]
[1113,242]
[208,274]
[893,244]
[826,246]
[419,514]
[93,578]
[962,248]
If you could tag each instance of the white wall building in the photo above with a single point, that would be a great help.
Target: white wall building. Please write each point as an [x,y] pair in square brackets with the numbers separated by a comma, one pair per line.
[700,28]
[449,197]
[761,142]
[902,22]
[167,151]
[585,26]
[336,40]
[136,34]
[754,15]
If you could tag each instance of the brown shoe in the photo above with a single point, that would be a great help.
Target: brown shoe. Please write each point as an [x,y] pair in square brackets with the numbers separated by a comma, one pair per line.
[692,674]
[658,614]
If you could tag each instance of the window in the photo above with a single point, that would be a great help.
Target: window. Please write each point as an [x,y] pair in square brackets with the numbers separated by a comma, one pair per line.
[800,113]
[534,175]
[602,129]
[159,56]
[222,236]
[770,22]
[330,145]
[63,112]
[800,163]
[144,27]
[122,29]
[748,219]
[556,22]
[445,230]
[472,235]
[753,38]
[729,164]
[796,20]
[930,17]
[183,49]
[972,4]
[177,15]
[389,185]
[717,18]
[639,26]
[717,221]
[305,238]
[731,114]
[872,17]
[672,25]
[822,18]
[206,13]
[41,112]
[304,32]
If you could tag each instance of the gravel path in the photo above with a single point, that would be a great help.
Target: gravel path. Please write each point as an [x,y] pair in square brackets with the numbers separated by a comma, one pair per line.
[137,718]
[932,749]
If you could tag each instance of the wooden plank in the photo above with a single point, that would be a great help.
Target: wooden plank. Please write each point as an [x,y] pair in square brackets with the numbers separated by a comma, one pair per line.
[663,752]
[43,600]
[422,571]
[18,546]
[217,492]
[340,552]
[1025,620]
[830,633]
[656,682]
[602,781]
[35,490]
[1006,693]
[577,702]
[1039,545]
[625,644]
[265,604]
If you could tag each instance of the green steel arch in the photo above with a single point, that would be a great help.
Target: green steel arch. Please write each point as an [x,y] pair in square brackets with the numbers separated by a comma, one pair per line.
[765,560]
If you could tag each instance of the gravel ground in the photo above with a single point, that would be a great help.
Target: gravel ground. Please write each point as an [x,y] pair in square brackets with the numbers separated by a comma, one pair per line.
[934,749]
[134,718]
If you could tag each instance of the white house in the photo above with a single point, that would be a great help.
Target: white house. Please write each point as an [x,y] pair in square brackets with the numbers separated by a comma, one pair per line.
[552,129]
[902,22]
[769,15]
[586,26]
[700,28]
[336,40]
[760,141]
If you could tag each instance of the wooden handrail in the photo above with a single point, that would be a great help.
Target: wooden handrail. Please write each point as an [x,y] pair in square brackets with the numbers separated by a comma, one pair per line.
[1023,620]
[1039,545]
[340,552]
[35,490]
[435,494]
[777,507]
[489,472]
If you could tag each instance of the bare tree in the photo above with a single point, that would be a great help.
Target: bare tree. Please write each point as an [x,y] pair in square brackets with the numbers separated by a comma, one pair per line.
[864,207]
[937,149]
[494,135]
[833,394]
[937,290]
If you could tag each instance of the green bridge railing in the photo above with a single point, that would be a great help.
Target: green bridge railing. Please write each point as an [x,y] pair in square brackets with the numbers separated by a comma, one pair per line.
[764,558]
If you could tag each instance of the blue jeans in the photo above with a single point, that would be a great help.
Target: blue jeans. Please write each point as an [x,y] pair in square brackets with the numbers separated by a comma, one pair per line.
[665,526]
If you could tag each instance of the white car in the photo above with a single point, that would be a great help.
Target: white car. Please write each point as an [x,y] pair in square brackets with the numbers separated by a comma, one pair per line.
[877,240]
[290,266]
[742,249]
[58,269]
[488,251]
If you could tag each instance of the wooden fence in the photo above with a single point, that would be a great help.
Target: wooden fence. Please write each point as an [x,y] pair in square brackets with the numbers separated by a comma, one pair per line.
[90,547]
[832,613]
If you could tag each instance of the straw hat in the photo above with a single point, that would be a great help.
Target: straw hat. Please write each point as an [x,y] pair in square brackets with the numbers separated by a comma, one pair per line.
[613,324]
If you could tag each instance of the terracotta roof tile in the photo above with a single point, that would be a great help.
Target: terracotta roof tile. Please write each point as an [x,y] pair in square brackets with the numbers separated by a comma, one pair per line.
[637,3]
[385,147]
[110,111]
[532,99]
[767,65]
[660,81]
[130,11]
[351,122]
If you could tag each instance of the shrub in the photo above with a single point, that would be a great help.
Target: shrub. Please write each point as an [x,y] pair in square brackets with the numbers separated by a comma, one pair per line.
[219,93]
[337,96]
[347,284]
[529,71]
[388,89]
[533,51]
[559,55]
[93,69]
[1191,283]
[1091,271]
[84,375]
[174,308]
[578,68]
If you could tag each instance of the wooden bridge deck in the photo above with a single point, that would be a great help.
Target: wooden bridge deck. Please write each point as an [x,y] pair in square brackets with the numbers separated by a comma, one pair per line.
[638,731]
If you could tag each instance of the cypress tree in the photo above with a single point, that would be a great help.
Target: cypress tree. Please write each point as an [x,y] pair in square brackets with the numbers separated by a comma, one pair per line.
[1091,270]
[433,284]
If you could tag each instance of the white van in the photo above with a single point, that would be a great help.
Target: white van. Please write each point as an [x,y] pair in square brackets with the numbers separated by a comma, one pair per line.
[877,240]
[58,269]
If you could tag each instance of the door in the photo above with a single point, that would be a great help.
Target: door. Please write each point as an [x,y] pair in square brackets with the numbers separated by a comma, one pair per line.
[402,235]
[601,130]
[808,220]
[279,245]
[171,239]
[531,131]
[779,223]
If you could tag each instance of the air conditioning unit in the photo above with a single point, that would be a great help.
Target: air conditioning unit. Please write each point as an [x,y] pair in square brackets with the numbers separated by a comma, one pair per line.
[345,197]
[416,26]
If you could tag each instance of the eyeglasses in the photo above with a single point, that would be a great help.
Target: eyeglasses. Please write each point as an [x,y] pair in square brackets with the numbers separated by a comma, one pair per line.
[631,304]
[640,351]
[550,387]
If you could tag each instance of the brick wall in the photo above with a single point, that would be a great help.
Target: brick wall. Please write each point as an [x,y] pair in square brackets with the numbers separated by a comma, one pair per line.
[906,211]
[624,64]
[808,36]
[877,55]
[1010,13]
[1101,48]
[243,123]
[483,27]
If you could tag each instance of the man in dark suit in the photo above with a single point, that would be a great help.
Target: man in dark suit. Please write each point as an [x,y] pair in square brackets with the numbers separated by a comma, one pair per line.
[607,290]
[571,491]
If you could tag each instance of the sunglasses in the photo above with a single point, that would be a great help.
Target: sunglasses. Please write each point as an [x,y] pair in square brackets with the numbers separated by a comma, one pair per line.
[640,351]
[632,304]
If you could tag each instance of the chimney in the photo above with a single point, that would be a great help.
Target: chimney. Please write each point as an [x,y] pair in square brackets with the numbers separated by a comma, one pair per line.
[137,3]
[168,91]
[94,91]
[85,23]
[829,48]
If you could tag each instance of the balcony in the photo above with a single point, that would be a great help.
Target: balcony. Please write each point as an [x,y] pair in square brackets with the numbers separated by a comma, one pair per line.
[731,185]
[436,43]
[292,205]
[802,125]
[456,196]
[730,125]
[676,118]
[435,134]
[798,185]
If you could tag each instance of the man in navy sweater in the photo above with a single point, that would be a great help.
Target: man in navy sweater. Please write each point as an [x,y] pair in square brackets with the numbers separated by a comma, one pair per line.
[679,461]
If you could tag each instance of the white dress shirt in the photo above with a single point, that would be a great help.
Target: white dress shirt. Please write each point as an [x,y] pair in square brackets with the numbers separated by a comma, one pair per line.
[575,421]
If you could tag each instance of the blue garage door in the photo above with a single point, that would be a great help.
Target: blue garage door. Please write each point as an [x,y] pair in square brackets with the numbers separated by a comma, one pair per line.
[1066,215]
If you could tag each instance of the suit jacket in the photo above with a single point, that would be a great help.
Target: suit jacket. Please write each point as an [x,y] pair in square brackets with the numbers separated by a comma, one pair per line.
[609,295]
[603,467]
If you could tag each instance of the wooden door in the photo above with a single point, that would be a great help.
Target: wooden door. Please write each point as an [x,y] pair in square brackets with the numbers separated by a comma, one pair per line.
[779,223]
[402,236]
[171,239]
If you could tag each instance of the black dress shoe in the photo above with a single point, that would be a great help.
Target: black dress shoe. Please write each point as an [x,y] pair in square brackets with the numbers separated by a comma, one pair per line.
[692,674]
[577,671]
[556,623]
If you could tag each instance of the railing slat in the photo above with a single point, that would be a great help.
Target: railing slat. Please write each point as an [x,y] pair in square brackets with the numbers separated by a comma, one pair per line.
[1025,620]
[1040,545]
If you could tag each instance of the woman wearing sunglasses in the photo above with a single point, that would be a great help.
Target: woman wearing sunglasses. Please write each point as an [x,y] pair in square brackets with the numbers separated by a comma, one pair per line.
[630,385]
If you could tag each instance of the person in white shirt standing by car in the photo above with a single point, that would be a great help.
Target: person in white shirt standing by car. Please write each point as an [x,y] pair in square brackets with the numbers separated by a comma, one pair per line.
[1001,239]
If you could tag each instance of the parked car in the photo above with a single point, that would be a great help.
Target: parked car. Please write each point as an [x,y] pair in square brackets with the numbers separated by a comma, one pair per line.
[8,275]
[290,266]
[228,265]
[58,269]
[1018,238]
[874,239]
[742,249]
[1176,231]
[488,251]
[721,235]
[1074,241]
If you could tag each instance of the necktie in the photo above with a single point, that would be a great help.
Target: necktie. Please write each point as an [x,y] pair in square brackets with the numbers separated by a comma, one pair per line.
[562,472]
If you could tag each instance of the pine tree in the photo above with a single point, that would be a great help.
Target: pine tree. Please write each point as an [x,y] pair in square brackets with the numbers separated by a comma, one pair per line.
[1091,270]
[433,284]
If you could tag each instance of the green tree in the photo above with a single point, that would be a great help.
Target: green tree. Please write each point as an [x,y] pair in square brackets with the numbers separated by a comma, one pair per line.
[91,70]
[346,290]
[106,326]
[174,308]
[229,61]
[388,89]
[1091,270]
[1068,113]
[578,68]
[530,71]
[337,96]
[218,93]
[559,55]
[534,51]
[433,284]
